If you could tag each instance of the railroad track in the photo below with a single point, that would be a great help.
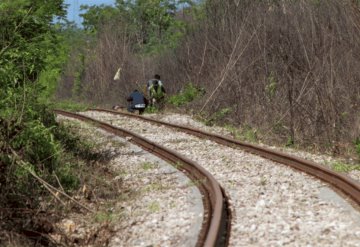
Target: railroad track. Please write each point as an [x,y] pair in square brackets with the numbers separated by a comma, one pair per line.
[342,183]
[215,225]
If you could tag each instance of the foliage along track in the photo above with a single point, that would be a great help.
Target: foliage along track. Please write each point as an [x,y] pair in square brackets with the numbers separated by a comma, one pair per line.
[346,185]
[216,226]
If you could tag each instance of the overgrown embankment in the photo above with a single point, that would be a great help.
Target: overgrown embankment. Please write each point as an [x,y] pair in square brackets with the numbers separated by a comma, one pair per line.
[287,70]
[39,159]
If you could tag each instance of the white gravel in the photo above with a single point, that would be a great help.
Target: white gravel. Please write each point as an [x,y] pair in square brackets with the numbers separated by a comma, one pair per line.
[161,206]
[272,205]
[325,160]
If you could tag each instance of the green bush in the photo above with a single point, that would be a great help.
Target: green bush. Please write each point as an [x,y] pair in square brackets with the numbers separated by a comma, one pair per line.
[67,176]
[151,109]
[188,94]
[29,148]
[235,132]
[250,134]
[23,178]
[218,116]
[37,144]
[342,167]
[357,146]
[72,142]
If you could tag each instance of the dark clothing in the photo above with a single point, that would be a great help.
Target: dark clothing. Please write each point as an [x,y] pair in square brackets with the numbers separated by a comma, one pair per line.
[137,102]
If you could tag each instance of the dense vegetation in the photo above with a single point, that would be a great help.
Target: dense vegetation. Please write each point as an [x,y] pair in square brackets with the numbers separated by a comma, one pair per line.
[284,71]
[286,68]
[32,145]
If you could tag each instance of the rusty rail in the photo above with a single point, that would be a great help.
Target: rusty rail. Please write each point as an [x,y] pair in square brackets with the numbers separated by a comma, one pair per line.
[214,226]
[341,182]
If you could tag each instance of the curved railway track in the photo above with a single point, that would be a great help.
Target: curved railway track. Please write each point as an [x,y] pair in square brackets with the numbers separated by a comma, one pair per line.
[343,183]
[340,182]
[215,226]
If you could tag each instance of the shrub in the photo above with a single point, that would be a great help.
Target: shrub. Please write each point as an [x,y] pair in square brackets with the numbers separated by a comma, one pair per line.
[37,144]
[151,109]
[250,134]
[188,94]
[67,176]
[218,116]
[72,142]
[341,167]
[357,146]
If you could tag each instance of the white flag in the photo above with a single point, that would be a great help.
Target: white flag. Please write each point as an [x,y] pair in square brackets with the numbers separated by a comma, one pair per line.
[117,75]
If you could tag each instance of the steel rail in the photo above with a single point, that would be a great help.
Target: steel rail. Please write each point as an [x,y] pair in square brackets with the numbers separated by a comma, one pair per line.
[214,226]
[341,182]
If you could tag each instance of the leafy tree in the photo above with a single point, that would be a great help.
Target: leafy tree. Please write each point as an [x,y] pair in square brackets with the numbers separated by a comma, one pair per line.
[25,40]
[96,16]
[153,23]
[27,143]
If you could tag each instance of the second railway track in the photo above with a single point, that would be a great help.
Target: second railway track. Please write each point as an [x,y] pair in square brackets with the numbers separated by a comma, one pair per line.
[272,205]
[215,225]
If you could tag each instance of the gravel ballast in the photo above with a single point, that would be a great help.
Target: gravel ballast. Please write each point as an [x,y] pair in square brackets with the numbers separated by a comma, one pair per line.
[272,205]
[325,160]
[160,207]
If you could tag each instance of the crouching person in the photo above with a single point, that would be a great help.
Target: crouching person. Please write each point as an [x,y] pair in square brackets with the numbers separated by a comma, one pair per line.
[137,101]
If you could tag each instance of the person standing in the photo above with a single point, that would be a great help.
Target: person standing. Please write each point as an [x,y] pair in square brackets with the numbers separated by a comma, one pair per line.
[157,95]
[150,82]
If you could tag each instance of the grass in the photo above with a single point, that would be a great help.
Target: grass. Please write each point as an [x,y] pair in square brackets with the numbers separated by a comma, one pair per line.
[196,182]
[232,183]
[148,166]
[235,132]
[151,109]
[342,167]
[127,195]
[153,186]
[245,133]
[218,116]
[357,146]
[102,217]
[186,95]
[178,165]
[263,181]
[172,204]
[154,207]
[250,134]
[70,106]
